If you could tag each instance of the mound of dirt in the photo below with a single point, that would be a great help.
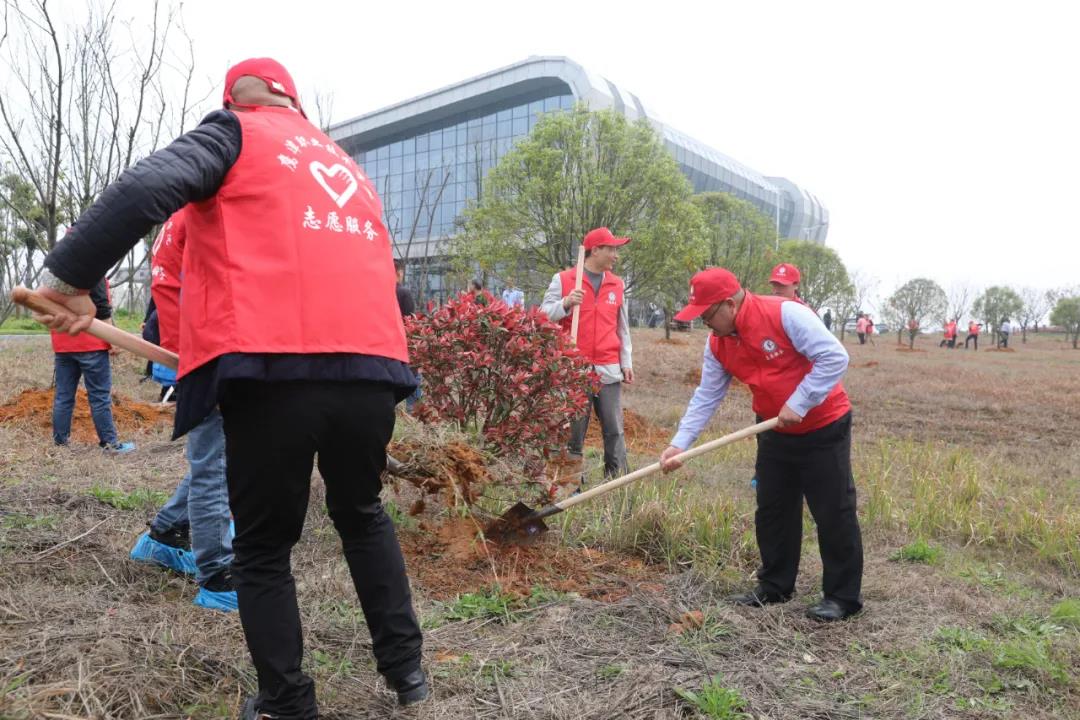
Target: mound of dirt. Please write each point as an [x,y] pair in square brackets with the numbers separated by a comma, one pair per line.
[910,350]
[454,469]
[34,407]
[999,350]
[871,364]
[452,558]
[641,435]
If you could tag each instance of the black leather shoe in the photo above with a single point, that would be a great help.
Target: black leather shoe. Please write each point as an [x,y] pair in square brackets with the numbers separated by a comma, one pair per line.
[829,611]
[411,688]
[250,713]
[759,597]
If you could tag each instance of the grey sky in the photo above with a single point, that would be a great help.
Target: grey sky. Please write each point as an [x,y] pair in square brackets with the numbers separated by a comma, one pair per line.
[942,136]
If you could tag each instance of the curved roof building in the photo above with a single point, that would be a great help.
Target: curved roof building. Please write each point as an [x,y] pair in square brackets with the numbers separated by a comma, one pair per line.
[426,153]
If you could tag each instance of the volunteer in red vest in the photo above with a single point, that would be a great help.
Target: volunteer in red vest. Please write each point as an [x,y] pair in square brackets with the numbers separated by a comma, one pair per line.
[785,281]
[603,338]
[793,367]
[191,533]
[87,357]
[290,322]
[949,338]
[973,334]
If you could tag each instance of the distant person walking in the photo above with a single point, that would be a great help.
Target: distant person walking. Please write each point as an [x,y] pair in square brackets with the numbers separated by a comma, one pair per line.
[862,325]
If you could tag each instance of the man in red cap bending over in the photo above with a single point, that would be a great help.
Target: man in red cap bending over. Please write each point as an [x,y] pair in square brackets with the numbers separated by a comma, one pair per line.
[288,322]
[793,367]
[603,339]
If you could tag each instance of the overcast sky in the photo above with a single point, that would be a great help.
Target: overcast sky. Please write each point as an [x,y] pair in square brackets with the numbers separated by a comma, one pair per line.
[942,136]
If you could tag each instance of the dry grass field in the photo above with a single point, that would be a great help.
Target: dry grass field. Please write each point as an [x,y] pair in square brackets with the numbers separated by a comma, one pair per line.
[968,469]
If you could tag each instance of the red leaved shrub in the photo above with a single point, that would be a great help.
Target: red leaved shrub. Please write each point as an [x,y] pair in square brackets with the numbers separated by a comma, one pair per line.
[507,374]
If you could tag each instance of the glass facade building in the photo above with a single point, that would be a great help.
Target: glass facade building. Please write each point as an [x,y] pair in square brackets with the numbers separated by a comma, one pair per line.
[428,155]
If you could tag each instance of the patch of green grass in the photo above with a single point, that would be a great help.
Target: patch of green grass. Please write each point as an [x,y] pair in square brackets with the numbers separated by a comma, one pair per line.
[399,517]
[959,638]
[327,664]
[671,522]
[1067,612]
[1033,655]
[493,604]
[492,670]
[938,490]
[21,521]
[610,672]
[140,498]
[919,551]
[716,701]
[22,326]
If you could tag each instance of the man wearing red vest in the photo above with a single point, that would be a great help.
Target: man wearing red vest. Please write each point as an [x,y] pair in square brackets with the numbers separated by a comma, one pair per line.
[191,533]
[289,321]
[949,340]
[603,339]
[793,367]
[87,357]
[973,334]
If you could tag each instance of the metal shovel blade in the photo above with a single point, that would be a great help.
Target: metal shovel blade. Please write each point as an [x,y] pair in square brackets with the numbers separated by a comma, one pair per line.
[519,523]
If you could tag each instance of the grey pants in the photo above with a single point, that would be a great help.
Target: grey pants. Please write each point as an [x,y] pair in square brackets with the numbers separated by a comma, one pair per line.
[608,406]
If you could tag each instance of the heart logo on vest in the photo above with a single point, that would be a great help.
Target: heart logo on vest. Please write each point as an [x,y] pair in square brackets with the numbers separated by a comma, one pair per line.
[321,173]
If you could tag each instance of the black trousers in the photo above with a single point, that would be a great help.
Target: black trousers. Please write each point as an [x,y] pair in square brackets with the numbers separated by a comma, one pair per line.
[273,431]
[968,340]
[816,466]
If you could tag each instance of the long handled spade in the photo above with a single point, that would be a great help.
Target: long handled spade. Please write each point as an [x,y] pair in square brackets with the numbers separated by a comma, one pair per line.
[101,330]
[521,522]
[128,341]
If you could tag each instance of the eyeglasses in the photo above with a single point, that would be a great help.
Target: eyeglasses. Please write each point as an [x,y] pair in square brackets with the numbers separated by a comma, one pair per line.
[707,316]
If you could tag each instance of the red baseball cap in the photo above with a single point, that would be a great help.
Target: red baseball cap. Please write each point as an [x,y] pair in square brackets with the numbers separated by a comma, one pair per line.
[707,288]
[602,236]
[785,274]
[269,71]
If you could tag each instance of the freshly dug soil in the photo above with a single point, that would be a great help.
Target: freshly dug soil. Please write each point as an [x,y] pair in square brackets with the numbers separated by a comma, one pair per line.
[34,407]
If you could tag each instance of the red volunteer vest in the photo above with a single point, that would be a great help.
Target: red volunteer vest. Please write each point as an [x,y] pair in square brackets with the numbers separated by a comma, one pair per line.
[290,255]
[598,337]
[762,357]
[83,342]
[950,330]
[165,268]
[973,329]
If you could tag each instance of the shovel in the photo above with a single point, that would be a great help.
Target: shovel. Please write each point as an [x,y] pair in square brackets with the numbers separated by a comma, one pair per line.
[128,341]
[101,330]
[521,522]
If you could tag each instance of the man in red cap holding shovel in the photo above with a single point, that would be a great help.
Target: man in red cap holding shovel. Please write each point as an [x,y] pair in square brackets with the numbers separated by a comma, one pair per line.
[289,320]
[793,367]
[603,339]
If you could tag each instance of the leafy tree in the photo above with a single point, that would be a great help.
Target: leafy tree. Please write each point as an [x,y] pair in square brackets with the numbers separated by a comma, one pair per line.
[1067,314]
[996,303]
[740,238]
[578,170]
[824,279]
[917,302]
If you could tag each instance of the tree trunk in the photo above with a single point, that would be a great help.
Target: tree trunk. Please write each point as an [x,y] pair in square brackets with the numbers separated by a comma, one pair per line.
[911,340]
[1023,333]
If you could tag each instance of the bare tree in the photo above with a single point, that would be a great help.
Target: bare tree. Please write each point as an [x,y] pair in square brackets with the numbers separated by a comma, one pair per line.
[850,303]
[413,236]
[92,96]
[959,299]
[1036,304]
[324,109]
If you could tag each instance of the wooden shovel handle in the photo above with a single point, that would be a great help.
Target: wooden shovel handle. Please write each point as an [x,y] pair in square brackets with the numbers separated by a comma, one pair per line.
[656,467]
[101,330]
[577,286]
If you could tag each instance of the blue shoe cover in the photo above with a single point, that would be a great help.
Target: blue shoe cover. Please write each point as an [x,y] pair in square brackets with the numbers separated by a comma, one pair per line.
[149,550]
[224,601]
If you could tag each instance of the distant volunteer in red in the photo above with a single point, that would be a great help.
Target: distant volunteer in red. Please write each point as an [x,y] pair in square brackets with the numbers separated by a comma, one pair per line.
[793,366]
[289,321]
[785,280]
